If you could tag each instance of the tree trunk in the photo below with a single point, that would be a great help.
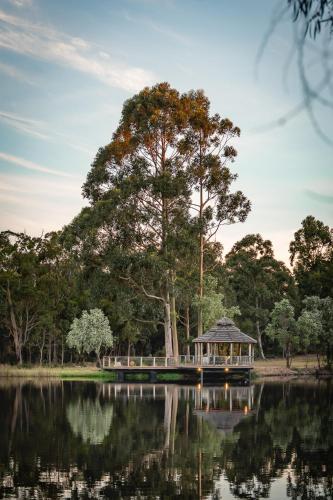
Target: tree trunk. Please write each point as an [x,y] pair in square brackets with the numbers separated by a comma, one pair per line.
[14,329]
[288,356]
[55,356]
[201,265]
[62,351]
[173,314]
[167,327]
[49,350]
[187,330]
[41,349]
[20,357]
[261,351]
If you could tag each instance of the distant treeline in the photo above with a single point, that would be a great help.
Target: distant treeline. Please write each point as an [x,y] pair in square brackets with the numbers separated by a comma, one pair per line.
[145,251]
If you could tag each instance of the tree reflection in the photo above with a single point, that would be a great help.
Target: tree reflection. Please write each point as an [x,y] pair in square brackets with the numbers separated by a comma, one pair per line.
[80,440]
[89,419]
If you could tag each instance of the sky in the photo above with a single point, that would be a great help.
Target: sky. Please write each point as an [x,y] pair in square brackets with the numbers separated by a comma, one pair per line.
[67,66]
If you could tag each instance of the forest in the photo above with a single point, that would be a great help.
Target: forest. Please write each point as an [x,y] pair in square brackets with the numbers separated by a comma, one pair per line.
[146,251]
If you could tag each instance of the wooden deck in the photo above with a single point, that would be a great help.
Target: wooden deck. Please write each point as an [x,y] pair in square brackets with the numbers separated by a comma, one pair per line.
[163,363]
[194,368]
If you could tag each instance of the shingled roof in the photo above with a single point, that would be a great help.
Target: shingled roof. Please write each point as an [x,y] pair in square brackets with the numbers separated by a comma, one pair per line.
[225,331]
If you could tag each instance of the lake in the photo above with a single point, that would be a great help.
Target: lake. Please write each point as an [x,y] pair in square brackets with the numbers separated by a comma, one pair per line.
[73,440]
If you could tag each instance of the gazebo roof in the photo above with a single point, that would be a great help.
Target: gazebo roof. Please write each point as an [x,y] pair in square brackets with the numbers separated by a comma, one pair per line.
[225,331]
[224,421]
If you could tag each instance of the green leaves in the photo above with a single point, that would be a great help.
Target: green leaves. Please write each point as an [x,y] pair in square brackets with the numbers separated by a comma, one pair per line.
[283,328]
[311,254]
[213,304]
[258,280]
[90,333]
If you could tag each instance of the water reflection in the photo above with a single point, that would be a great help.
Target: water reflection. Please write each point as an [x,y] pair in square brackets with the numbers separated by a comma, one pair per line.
[94,440]
[224,408]
[89,419]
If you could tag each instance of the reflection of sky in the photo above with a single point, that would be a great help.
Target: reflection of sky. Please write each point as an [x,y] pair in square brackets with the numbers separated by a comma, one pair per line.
[66,67]
[278,488]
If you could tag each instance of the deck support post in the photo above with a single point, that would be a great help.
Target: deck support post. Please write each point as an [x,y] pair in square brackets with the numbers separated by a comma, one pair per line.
[231,352]
[140,360]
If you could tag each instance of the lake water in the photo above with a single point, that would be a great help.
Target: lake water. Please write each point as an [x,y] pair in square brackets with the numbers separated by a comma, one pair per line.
[76,440]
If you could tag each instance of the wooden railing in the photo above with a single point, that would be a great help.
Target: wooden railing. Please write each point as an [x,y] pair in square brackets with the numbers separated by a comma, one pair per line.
[178,361]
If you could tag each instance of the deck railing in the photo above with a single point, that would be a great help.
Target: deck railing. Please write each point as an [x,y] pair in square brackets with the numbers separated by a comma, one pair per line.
[177,361]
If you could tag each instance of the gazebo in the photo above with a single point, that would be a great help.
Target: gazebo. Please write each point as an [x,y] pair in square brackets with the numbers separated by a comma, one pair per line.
[223,344]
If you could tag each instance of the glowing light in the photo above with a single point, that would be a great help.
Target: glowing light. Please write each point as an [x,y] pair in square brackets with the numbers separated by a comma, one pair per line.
[246,410]
[199,369]
[226,386]
[199,386]
[226,369]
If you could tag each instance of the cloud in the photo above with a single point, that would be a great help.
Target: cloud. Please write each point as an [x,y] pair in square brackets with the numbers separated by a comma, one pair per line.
[21,3]
[15,73]
[322,198]
[37,185]
[161,29]
[27,164]
[35,128]
[23,124]
[43,42]
[37,203]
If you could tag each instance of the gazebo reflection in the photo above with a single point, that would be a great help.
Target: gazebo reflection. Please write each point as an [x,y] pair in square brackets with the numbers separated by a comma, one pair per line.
[224,407]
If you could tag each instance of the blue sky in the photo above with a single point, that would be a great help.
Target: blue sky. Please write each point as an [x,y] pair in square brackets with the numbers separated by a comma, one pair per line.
[67,66]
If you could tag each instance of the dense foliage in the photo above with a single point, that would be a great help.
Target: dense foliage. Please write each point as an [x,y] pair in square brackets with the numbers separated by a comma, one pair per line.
[144,252]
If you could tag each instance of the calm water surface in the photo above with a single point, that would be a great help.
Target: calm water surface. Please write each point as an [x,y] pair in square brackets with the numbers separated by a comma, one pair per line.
[98,440]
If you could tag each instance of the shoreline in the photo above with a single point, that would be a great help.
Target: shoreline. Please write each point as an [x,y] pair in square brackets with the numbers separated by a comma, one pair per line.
[262,371]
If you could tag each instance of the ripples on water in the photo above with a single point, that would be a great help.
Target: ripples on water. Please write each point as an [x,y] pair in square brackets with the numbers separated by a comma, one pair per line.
[76,440]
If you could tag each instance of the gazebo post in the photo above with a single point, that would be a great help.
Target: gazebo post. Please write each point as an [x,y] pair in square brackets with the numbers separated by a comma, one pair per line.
[224,333]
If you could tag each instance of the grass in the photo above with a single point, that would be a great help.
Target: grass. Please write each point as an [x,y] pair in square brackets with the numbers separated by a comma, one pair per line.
[169,377]
[136,376]
[66,372]
[301,365]
[297,362]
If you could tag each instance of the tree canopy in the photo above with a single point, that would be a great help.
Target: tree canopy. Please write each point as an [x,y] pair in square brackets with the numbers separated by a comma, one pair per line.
[145,257]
